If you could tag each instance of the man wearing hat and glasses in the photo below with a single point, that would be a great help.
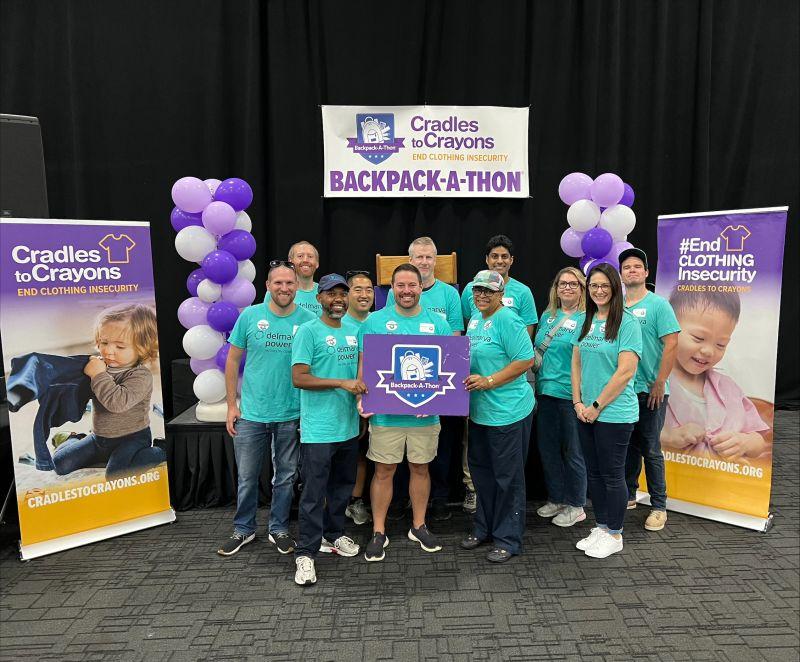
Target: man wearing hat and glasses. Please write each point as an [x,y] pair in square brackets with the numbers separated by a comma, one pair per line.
[270,409]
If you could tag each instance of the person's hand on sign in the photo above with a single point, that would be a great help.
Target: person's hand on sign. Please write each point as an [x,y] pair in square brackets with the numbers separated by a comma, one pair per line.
[477,383]
[737,444]
[361,411]
[94,366]
[354,386]
[230,420]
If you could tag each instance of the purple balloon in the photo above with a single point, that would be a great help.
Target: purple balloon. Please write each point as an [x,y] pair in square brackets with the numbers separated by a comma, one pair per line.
[240,292]
[597,242]
[236,192]
[220,266]
[584,261]
[238,243]
[194,280]
[192,312]
[607,189]
[181,219]
[219,218]
[575,186]
[201,365]
[571,242]
[222,316]
[628,196]
[602,260]
[617,248]
[222,357]
[191,194]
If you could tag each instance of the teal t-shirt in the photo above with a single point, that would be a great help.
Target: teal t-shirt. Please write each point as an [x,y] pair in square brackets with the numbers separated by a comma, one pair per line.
[442,299]
[267,392]
[516,296]
[306,300]
[329,415]
[599,360]
[353,322]
[554,377]
[494,343]
[387,321]
[657,319]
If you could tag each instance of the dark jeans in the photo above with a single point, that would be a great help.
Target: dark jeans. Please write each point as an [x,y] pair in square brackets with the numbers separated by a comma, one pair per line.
[562,459]
[449,438]
[605,447]
[497,463]
[121,455]
[646,445]
[328,472]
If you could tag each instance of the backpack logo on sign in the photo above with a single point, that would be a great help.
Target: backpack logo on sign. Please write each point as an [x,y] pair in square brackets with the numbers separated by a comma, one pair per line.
[375,139]
[416,376]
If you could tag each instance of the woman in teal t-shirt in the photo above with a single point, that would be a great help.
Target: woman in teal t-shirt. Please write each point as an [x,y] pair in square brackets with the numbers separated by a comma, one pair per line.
[500,415]
[604,359]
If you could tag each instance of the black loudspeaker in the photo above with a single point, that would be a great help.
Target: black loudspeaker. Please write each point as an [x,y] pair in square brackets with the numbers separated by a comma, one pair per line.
[23,187]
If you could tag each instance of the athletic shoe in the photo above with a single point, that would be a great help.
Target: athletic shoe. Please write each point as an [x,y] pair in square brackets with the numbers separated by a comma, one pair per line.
[498,555]
[588,541]
[439,511]
[397,510]
[470,504]
[283,541]
[605,545]
[235,543]
[306,573]
[656,520]
[569,515]
[375,547]
[550,509]
[425,538]
[358,512]
[631,504]
[343,546]
[471,542]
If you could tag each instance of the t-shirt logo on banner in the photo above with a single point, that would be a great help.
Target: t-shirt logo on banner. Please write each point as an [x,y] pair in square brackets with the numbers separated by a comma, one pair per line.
[416,376]
[117,247]
[375,139]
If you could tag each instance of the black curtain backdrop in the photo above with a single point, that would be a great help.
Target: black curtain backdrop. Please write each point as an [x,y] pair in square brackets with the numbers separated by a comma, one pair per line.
[694,102]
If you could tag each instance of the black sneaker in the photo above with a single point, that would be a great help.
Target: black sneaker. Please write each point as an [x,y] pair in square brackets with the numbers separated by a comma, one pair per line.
[470,502]
[498,555]
[439,511]
[283,541]
[397,510]
[471,542]
[375,547]
[235,543]
[425,538]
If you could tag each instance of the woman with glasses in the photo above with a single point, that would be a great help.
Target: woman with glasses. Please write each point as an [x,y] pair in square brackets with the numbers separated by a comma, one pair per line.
[556,425]
[604,358]
[500,416]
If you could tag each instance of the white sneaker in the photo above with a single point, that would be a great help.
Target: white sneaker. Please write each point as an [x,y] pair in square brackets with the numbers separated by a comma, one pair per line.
[588,541]
[604,546]
[343,546]
[306,574]
[549,509]
[569,515]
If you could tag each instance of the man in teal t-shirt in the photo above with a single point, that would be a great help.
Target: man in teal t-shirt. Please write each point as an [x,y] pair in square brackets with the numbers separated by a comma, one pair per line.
[660,330]
[518,297]
[393,437]
[270,407]
[325,368]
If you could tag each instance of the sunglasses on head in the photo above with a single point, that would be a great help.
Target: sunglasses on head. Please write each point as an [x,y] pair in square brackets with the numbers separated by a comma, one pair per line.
[356,272]
[273,264]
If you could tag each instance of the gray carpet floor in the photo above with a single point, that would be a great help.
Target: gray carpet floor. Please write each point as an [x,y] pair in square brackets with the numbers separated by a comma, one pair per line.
[698,590]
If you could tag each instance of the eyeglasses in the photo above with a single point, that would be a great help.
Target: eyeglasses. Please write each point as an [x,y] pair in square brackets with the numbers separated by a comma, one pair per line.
[565,285]
[484,292]
[356,272]
[274,264]
[601,287]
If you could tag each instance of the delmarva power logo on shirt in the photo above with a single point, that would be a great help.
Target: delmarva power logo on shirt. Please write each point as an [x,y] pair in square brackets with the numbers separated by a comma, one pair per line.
[416,376]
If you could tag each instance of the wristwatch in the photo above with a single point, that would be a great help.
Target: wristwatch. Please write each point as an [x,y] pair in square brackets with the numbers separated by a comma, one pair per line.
[596,405]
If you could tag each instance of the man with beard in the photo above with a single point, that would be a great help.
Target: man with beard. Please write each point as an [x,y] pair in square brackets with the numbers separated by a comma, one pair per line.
[270,408]
[325,367]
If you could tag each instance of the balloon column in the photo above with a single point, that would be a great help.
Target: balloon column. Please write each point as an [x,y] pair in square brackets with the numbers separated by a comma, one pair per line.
[599,216]
[213,230]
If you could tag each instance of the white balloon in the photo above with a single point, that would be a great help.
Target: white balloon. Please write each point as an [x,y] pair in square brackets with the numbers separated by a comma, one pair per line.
[247,270]
[209,291]
[212,184]
[619,220]
[243,222]
[583,215]
[209,386]
[202,342]
[194,242]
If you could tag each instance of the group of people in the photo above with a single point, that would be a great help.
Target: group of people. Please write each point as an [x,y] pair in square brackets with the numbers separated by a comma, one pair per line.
[597,369]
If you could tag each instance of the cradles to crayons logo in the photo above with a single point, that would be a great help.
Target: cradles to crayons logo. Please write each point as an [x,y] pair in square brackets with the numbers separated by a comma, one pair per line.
[375,139]
[54,266]
[416,375]
[443,134]
[724,259]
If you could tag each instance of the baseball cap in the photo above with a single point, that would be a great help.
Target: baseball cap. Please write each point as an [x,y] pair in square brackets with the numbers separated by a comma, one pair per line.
[633,252]
[491,280]
[329,281]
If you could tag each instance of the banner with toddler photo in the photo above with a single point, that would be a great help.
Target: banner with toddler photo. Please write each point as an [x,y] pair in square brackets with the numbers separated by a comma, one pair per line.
[80,359]
[721,271]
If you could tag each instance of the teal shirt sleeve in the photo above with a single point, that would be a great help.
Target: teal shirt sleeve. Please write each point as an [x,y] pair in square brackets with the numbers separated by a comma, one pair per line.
[667,322]
[454,317]
[516,342]
[238,336]
[466,300]
[303,346]
[630,335]
[527,308]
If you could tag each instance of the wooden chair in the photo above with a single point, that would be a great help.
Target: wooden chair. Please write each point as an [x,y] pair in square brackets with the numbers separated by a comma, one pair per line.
[446,267]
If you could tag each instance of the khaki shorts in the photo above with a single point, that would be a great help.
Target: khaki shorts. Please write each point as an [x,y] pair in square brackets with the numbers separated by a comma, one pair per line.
[388,445]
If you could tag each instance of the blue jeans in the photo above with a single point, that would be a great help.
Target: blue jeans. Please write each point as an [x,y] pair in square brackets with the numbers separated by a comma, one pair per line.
[560,449]
[121,455]
[496,456]
[329,473]
[605,448]
[646,445]
[250,445]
